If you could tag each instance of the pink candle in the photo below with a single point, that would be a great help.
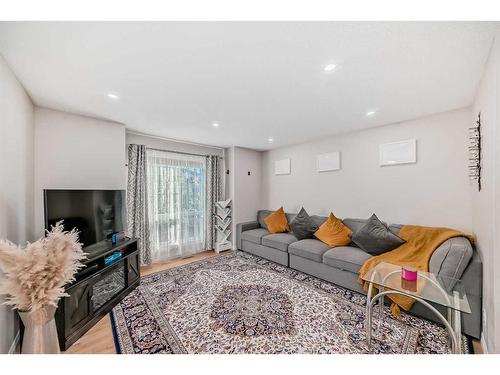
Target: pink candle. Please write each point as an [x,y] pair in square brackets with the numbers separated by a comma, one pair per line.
[409,273]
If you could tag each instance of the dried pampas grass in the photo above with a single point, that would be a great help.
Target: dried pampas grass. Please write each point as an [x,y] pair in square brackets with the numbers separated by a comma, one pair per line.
[35,276]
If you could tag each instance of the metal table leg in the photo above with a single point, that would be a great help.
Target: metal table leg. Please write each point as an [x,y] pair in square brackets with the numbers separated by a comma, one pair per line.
[452,331]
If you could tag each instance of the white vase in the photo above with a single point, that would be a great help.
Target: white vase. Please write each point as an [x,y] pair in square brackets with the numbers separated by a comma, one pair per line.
[40,333]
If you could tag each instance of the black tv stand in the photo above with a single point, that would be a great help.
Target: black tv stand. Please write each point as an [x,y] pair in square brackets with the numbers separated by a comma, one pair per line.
[97,289]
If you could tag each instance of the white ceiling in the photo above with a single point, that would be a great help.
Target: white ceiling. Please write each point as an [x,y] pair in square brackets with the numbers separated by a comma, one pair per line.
[257,79]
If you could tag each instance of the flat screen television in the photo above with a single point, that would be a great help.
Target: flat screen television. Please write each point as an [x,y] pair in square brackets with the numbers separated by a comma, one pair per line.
[96,214]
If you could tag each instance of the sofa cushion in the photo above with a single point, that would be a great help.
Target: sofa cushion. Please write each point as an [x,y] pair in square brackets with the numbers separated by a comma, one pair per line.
[355,224]
[396,228]
[309,248]
[375,238]
[254,235]
[303,225]
[279,241]
[346,258]
[277,222]
[319,220]
[261,215]
[290,217]
[333,232]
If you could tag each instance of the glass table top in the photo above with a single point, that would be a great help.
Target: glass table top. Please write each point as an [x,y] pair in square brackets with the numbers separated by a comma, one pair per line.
[442,290]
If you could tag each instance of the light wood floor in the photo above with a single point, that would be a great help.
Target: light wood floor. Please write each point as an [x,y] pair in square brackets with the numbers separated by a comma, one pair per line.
[99,339]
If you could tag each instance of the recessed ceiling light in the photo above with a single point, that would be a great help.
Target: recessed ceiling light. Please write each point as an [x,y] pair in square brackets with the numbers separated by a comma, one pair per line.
[370,113]
[330,67]
[215,124]
[113,95]
[270,139]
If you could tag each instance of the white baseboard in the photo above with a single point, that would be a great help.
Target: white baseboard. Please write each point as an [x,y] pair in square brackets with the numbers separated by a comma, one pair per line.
[483,344]
[15,343]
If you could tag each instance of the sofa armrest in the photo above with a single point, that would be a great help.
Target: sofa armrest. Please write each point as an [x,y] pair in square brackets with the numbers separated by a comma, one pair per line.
[472,278]
[242,227]
[451,259]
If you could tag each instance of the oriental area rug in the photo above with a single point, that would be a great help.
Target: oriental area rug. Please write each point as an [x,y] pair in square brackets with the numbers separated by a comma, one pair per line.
[240,303]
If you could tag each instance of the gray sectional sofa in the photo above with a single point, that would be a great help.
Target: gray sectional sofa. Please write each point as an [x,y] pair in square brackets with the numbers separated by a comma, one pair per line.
[455,258]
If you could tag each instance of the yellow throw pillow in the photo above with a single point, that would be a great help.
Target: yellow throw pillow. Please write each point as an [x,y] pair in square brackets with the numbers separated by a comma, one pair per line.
[333,232]
[277,221]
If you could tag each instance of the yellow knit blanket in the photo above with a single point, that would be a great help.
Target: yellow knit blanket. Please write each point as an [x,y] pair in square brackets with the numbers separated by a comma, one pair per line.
[416,252]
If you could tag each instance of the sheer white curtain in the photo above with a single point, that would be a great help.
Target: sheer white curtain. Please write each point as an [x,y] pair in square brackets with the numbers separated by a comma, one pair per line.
[176,203]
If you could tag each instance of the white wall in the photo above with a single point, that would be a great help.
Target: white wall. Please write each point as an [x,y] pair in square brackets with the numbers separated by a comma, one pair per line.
[434,191]
[76,152]
[245,190]
[485,208]
[16,178]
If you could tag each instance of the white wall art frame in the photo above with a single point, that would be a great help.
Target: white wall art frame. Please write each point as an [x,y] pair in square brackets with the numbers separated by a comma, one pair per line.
[282,167]
[402,152]
[328,162]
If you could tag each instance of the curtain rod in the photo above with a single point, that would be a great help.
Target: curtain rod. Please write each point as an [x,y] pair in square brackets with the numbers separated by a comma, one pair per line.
[173,140]
[181,152]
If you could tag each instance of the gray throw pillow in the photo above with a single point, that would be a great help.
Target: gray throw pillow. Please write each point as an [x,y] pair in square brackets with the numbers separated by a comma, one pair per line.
[375,238]
[303,225]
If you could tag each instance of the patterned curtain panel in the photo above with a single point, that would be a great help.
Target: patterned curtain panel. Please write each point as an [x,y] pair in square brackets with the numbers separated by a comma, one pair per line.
[214,194]
[137,200]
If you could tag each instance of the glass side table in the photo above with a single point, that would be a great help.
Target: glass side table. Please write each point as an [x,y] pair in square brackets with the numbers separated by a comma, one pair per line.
[429,287]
